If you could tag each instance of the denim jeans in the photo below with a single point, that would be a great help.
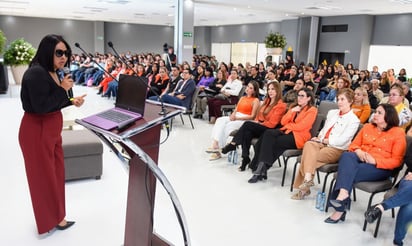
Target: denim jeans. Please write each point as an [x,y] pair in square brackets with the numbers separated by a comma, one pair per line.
[172,100]
[352,170]
[402,199]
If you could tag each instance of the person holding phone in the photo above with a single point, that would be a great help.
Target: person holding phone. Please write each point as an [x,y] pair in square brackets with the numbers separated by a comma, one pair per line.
[43,94]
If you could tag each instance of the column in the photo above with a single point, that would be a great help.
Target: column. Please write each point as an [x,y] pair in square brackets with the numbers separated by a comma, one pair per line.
[99,36]
[313,39]
[183,36]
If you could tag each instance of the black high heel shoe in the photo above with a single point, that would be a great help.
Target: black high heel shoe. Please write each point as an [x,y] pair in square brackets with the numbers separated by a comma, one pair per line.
[260,174]
[341,205]
[372,214]
[229,147]
[332,221]
[255,178]
[245,161]
[67,225]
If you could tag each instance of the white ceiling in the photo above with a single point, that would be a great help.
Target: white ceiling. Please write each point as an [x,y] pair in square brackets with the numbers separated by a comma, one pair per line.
[206,12]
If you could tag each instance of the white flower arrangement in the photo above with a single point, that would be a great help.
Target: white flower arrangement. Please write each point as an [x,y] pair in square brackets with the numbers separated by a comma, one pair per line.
[19,52]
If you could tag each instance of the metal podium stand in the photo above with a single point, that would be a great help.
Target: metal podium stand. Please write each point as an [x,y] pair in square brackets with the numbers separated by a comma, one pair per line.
[141,143]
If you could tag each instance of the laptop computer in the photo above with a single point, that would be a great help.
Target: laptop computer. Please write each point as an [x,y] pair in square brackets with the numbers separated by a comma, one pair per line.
[129,106]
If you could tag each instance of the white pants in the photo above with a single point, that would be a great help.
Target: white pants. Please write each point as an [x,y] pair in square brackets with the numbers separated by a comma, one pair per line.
[223,127]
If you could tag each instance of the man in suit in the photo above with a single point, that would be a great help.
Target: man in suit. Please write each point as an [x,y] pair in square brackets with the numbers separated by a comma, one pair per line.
[183,93]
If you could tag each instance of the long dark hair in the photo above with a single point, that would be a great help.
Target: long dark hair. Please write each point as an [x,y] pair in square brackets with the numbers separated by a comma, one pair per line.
[309,93]
[391,116]
[266,104]
[255,85]
[45,53]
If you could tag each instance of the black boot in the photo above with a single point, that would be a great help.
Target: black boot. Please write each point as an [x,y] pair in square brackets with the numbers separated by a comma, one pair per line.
[245,161]
[259,174]
[100,91]
[229,147]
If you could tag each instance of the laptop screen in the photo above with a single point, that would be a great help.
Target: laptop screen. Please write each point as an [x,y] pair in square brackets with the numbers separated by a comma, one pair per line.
[131,93]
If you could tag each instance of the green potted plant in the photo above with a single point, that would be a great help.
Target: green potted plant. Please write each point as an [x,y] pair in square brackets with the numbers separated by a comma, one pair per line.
[4,79]
[18,55]
[19,52]
[275,42]
[2,42]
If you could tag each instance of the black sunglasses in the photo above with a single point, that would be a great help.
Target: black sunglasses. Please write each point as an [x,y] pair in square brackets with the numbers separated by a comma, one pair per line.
[60,53]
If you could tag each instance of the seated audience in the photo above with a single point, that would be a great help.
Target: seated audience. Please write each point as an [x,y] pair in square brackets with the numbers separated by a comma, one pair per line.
[246,109]
[376,91]
[295,131]
[360,105]
[406,86]
[159,83]
[375,73]
[183,93]
[375,152]
[384,83]
[342,82]
[292,95]
[321,80]
[289,80]
[359,82]
[201,100]
[307,79]
[396,99]
[229,95]
[402,199]
[373,101]
[331,84]
[334,138]
[269,115]
[107,78]
[402,75]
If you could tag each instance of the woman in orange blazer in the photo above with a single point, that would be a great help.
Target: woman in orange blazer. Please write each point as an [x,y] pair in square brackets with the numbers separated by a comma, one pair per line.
[270,113]
[293,134]
[375,152]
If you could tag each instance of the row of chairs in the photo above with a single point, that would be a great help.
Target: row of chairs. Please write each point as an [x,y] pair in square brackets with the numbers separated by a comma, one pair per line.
[373,188]
[226,109]
[331,168]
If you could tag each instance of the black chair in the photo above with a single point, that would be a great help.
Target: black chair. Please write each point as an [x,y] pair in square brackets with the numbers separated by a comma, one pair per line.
[331,167]
[320,118]
[372,187]
[229,108]
[297,152]
[189,111]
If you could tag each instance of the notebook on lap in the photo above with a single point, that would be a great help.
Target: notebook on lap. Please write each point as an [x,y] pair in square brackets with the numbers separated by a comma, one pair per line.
[129,106]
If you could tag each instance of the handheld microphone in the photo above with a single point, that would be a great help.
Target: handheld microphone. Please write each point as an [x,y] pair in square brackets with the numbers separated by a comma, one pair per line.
[163,111]
[91,59]
[66,71]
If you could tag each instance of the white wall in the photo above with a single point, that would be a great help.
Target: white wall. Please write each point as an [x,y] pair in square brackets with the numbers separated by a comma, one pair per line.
[387,56]
[226,52]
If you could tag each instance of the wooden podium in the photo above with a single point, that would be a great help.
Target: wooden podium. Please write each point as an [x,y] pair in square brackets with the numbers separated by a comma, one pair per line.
[141,143]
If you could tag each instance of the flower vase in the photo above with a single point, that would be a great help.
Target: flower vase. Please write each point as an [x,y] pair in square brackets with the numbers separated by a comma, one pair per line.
[274,51]
[17,72]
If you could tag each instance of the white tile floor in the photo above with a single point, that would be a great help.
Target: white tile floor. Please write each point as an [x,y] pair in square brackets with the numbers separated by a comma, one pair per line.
[221,208]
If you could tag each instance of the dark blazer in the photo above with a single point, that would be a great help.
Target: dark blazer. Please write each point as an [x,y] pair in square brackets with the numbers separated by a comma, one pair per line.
[188,89]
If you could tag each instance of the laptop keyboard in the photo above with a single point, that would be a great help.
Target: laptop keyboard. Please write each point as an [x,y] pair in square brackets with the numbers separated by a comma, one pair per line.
[115,116]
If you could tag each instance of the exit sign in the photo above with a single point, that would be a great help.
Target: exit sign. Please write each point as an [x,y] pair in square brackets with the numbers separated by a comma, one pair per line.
[187,34]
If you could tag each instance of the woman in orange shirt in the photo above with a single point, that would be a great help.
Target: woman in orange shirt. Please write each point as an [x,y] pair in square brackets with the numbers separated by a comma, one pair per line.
[246,109]
[269,116]
[377,149]
[293,134]
[360,105]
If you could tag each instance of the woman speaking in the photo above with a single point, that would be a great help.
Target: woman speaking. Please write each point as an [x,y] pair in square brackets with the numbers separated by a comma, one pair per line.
[43,94]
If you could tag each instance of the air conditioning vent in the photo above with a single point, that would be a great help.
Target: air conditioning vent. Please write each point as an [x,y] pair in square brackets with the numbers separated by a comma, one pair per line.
[334,28]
